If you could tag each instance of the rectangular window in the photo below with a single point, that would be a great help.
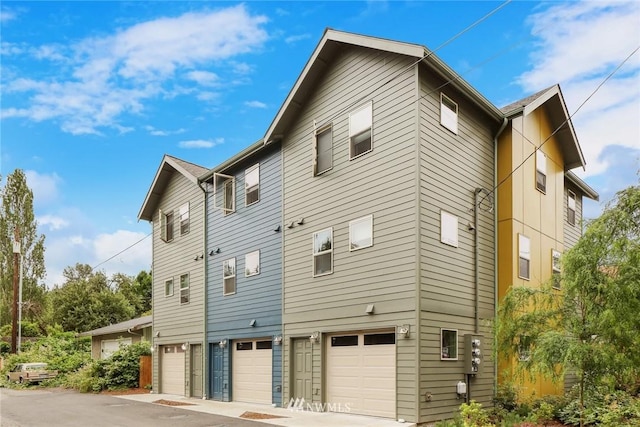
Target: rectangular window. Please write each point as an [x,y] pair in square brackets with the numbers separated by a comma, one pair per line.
[323,252]
[184,218]
[380,339]
[448,113]
[571,207]
[166,226]
[252,185]
[252,264]
[541,171]
[264,345]
[448,344]
[360,122]
[168,288]
[524,256]
[524,348]
[184,289]
[324,151]
[229,276]
[242,346]
[555,268]
[229,197]
[344,341]
[361,233]
[448,229]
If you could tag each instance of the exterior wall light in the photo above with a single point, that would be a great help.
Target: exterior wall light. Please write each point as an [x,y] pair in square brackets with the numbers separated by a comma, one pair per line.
[222,343]
[277,340]
[314,337]
[403,331]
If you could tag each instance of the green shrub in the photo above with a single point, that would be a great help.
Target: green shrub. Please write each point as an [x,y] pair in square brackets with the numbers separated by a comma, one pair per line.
[506,397]
[604,407]
[473,415]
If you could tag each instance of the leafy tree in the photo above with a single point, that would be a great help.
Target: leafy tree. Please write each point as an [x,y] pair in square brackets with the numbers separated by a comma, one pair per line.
[591,326]
[137,291]
[86,301]
[17,219]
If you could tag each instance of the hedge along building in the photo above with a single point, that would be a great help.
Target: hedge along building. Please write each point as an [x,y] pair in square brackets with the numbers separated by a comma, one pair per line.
[388,263]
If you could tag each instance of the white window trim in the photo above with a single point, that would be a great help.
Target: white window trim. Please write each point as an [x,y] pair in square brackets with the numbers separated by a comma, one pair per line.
[368,218]
[184,218]
[246,187]
[233,276]
[246,263]
[358,132]
[448,229]
[442,330]
[165,288]
[164,223]
[316,151]
[541,167]
[524,255]
[313,251]
[448,116]
[232,183]
[185,289]
[555,271]
[571,196]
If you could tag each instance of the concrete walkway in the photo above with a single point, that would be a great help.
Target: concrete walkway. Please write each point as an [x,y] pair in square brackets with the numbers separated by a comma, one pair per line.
[289,418]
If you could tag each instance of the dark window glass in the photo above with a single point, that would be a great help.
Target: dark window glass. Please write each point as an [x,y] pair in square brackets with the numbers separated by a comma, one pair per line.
[344,341]
[378,339]
[264,345]
[241,346]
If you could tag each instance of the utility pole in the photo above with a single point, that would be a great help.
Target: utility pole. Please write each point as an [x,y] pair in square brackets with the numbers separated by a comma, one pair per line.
[16,266]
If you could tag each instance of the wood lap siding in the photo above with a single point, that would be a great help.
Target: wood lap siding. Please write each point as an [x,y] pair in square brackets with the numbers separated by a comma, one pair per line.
[381,183]
[451,168]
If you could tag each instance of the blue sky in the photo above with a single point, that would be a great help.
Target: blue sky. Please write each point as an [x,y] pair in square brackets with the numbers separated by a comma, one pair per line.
[95,93]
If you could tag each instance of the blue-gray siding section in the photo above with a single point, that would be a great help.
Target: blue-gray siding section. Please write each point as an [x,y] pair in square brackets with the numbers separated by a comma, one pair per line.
[258,297]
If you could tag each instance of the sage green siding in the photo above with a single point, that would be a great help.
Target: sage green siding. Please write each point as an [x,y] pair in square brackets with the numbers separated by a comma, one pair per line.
[380,183]
[451,167]
[572,233]
[176,323]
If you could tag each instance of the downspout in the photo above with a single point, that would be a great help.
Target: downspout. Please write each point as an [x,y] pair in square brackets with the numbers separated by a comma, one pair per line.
[205,347]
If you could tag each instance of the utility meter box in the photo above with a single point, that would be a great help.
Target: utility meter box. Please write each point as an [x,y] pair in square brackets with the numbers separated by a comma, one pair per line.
[472,354]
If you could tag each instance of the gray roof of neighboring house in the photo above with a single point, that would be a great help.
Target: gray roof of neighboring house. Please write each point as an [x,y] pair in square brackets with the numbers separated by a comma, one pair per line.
[133,324]
[168,166]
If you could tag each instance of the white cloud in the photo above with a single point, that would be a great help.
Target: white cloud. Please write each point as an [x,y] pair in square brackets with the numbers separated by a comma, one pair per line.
[255,104]
[159,132]
[200,143]
[117,74]
[7,15]
[579,44]
[52,222]
[296,38]
[204,78]
[44,187]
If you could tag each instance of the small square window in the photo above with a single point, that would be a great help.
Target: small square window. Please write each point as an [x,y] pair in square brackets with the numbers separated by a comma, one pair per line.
[229,197]
[168,288]
[184,289]
[252,264]
[184,218]
[541,171]
[448,229]
[361,233]
[571,207]
[360,122]
[229,276]
[166,226]
[323,151]
[323,252]
[252,185]
[448,113]
[524,256]
[448,344]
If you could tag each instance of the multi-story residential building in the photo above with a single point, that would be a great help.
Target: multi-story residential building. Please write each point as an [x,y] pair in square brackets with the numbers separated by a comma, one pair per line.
[244,276]
[388,263]
[174,205]
[356,254]
[539,200]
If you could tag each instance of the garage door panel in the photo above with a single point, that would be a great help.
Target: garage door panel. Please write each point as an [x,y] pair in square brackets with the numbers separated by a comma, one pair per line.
[363,375]
[252,372]
[172,362]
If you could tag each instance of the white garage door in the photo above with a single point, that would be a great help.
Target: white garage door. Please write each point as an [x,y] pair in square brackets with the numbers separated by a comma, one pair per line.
[361,373]
[108,347]
[251,371]
[172,370]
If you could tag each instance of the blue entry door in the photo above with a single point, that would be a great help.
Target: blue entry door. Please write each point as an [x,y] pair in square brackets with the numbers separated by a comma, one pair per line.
[216,371]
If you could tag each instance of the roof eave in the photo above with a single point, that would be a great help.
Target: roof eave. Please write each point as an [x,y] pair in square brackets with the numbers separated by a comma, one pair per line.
[583,186]
[227,164]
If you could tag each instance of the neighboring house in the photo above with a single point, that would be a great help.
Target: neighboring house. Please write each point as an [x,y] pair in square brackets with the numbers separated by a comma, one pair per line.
[386,151]
[175,206]
[539,200]
[244,277]
[106,340]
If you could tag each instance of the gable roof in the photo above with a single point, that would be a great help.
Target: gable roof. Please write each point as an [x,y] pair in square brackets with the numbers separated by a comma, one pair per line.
[552,101]
[583,186]
[168,167]
[133,325]
[332,41]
